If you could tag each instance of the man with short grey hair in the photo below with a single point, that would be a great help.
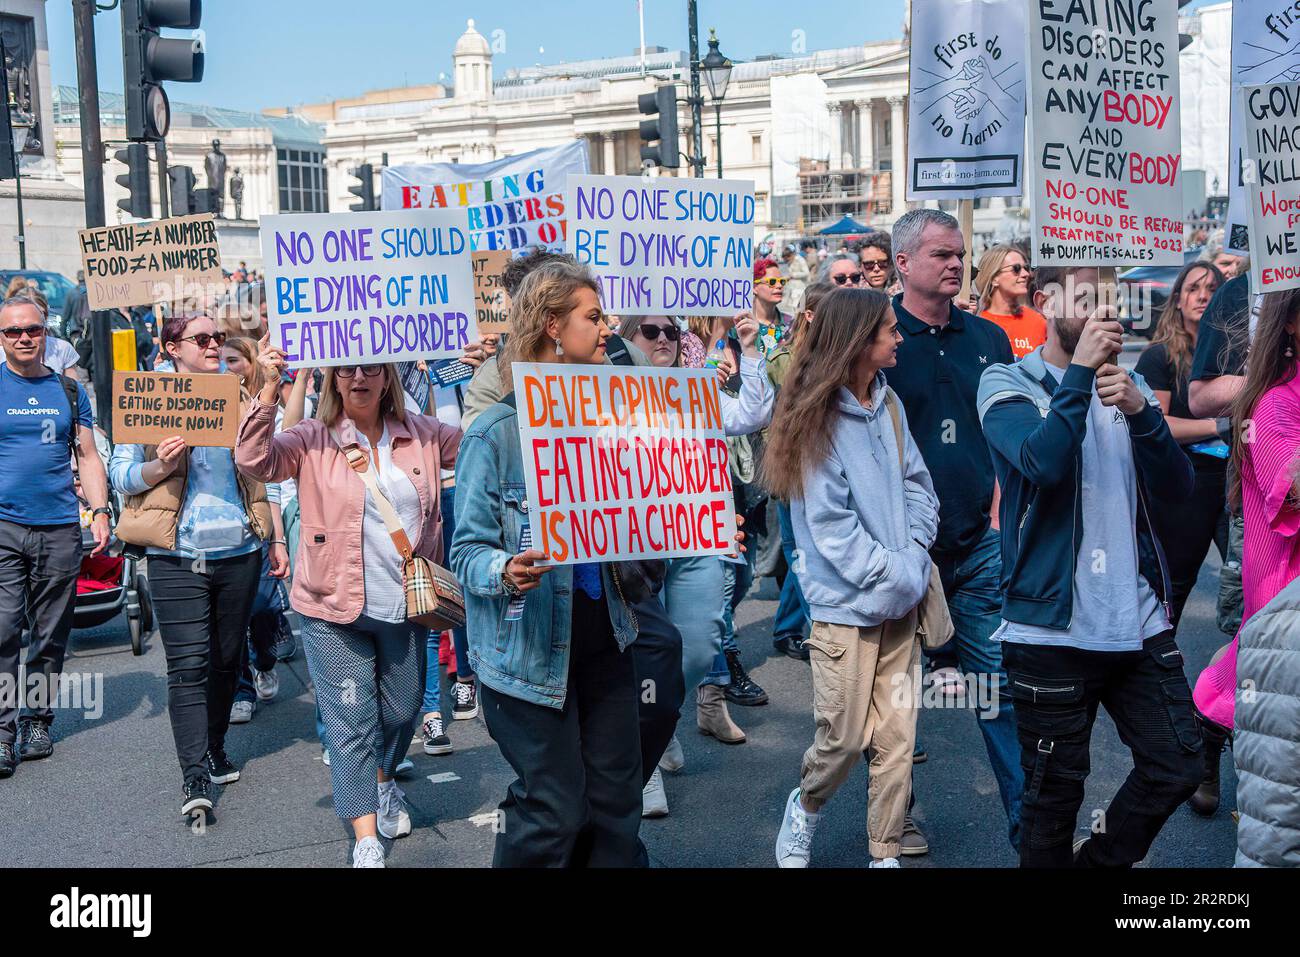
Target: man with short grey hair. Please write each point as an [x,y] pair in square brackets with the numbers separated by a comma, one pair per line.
[940,360]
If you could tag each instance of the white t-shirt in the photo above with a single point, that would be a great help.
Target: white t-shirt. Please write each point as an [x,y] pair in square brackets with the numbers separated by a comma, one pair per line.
[59,354]
[385,592]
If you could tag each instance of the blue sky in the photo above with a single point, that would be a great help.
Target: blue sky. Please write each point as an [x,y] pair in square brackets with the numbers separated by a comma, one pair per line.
[280,52]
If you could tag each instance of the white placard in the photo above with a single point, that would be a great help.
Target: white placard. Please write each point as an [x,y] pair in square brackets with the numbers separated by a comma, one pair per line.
[1271,130]
[368,287]
[1104,127]
[665,246]
[966,123]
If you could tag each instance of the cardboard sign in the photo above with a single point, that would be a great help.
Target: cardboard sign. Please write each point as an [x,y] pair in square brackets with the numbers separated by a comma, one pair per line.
[624,462]
[1271,127]
[1104,115]
[1265,49]
[368,287]
[966,129]
[491,304]
[665,246]
[139,264]
[151,406]
[510,203]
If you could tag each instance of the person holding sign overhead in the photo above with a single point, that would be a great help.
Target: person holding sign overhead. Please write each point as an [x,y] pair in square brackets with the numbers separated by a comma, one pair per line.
[202,525]
[367,659]
[559,695]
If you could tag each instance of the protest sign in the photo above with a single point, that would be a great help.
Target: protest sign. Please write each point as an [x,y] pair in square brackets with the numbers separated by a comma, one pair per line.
[1271,128]
[491,304]
[1265,49]
[368,287]
[151,406]
[507,204]
[1104,124]
[415,383]
[966,128]
[139,264]
[665,246]
[624,462]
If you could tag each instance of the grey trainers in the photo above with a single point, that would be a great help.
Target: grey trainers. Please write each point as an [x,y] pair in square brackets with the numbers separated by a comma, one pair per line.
[913,843]
[794,840]
[654,802]
[368,853]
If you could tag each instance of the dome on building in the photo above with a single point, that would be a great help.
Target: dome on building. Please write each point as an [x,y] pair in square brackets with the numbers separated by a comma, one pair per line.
[472,43]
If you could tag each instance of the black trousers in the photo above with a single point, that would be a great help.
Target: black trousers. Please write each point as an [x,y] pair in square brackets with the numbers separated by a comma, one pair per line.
[203,609]
[661,689]
[38,589]
[1056,692]
[577,799]
[1187,530]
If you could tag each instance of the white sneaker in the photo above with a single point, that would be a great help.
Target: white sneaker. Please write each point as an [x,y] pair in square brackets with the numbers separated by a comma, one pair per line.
[405,766]
[794,840]
[654,802]
[673,759]
[887,862]
[267,684]
[948,681]
[393,819]
[325,757]
[241,712]
[368,853]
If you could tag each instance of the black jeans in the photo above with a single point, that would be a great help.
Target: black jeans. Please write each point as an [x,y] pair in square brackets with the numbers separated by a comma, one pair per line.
[203,610]
[661,688]
[38,589]
[1056,692]
[1187,529]
[577,799]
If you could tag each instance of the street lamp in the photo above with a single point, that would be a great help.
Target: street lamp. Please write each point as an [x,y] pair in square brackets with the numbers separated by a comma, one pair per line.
[21,124]
[717,74]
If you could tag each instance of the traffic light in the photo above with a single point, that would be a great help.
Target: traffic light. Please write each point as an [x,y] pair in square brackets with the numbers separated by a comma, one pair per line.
[139,200]
[660,131]
[149,58]
[364,190]
[181,181]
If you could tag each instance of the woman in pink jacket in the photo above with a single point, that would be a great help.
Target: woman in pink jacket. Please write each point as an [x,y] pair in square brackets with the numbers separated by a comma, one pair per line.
[367,661]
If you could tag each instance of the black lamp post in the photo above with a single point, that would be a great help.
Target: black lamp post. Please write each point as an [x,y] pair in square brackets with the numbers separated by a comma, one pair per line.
[21,126]
[717,74]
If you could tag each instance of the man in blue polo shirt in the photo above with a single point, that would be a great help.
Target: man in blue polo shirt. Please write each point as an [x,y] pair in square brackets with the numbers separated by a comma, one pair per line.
[940,360]
[40,526]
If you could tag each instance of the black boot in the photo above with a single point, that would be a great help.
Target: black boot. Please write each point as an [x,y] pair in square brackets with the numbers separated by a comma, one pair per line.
[1205,799]
[743,689]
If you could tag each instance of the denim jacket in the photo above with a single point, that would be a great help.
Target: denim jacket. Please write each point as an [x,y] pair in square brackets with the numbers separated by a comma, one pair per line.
[529,658]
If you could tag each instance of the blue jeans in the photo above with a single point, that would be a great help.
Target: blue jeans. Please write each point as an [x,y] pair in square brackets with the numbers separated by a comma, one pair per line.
[737,580]
[693,597]
[792,619]
[970,583]
[432,700]
[459,636]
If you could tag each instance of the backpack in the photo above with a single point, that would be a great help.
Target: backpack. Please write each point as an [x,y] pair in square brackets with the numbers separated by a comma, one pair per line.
[70,393]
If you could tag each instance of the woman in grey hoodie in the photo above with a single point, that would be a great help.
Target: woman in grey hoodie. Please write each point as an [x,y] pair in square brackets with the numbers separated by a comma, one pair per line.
[865,515]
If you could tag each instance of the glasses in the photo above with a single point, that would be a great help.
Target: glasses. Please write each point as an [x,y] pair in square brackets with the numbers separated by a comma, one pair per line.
[205,339]
[851,277]
[350,372]
[771,281]
[671,333]
[1016,268]
[871,265]
[15,333]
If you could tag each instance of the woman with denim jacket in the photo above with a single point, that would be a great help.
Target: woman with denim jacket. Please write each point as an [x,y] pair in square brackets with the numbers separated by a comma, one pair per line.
[367,660]
[559,695]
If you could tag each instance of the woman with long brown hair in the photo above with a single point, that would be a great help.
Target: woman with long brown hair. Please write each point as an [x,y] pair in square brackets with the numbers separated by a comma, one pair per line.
[865,514]
[1187,529]
[1266,486]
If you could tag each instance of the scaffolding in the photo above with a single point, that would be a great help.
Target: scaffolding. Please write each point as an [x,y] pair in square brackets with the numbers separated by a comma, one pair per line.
[825,194]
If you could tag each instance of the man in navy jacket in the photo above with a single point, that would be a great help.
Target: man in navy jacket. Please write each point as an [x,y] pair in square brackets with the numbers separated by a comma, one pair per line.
[1080,446]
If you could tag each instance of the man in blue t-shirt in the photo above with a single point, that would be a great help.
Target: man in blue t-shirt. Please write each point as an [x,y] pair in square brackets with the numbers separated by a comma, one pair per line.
[40,527]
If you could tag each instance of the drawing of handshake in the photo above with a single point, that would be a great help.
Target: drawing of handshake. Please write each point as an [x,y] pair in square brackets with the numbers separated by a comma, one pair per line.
[979,89]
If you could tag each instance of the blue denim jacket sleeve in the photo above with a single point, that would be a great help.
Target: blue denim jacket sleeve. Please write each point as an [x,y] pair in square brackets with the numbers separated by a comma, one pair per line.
[478,553]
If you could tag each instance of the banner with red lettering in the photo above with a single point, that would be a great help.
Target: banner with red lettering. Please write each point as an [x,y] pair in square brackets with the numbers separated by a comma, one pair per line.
[624,462]
[1104,128]
[1270,128]
[510,203]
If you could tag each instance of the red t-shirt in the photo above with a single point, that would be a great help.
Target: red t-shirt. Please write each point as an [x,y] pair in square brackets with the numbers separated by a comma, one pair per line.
[1026,331]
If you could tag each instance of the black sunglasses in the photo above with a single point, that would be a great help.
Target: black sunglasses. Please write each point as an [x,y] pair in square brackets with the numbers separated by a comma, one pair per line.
[17,332]
[671,333]
[350,372]
[853,277]
[1016,268]
[205,339]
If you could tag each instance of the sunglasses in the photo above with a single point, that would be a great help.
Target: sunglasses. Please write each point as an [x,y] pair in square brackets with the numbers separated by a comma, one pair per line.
[350,372]
[671,333]
[771,281]
[871,265]
[205,339]
[853,277]
[17,332]
[1016,268]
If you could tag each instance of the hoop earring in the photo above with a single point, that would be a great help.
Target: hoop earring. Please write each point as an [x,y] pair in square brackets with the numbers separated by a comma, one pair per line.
[559,349]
